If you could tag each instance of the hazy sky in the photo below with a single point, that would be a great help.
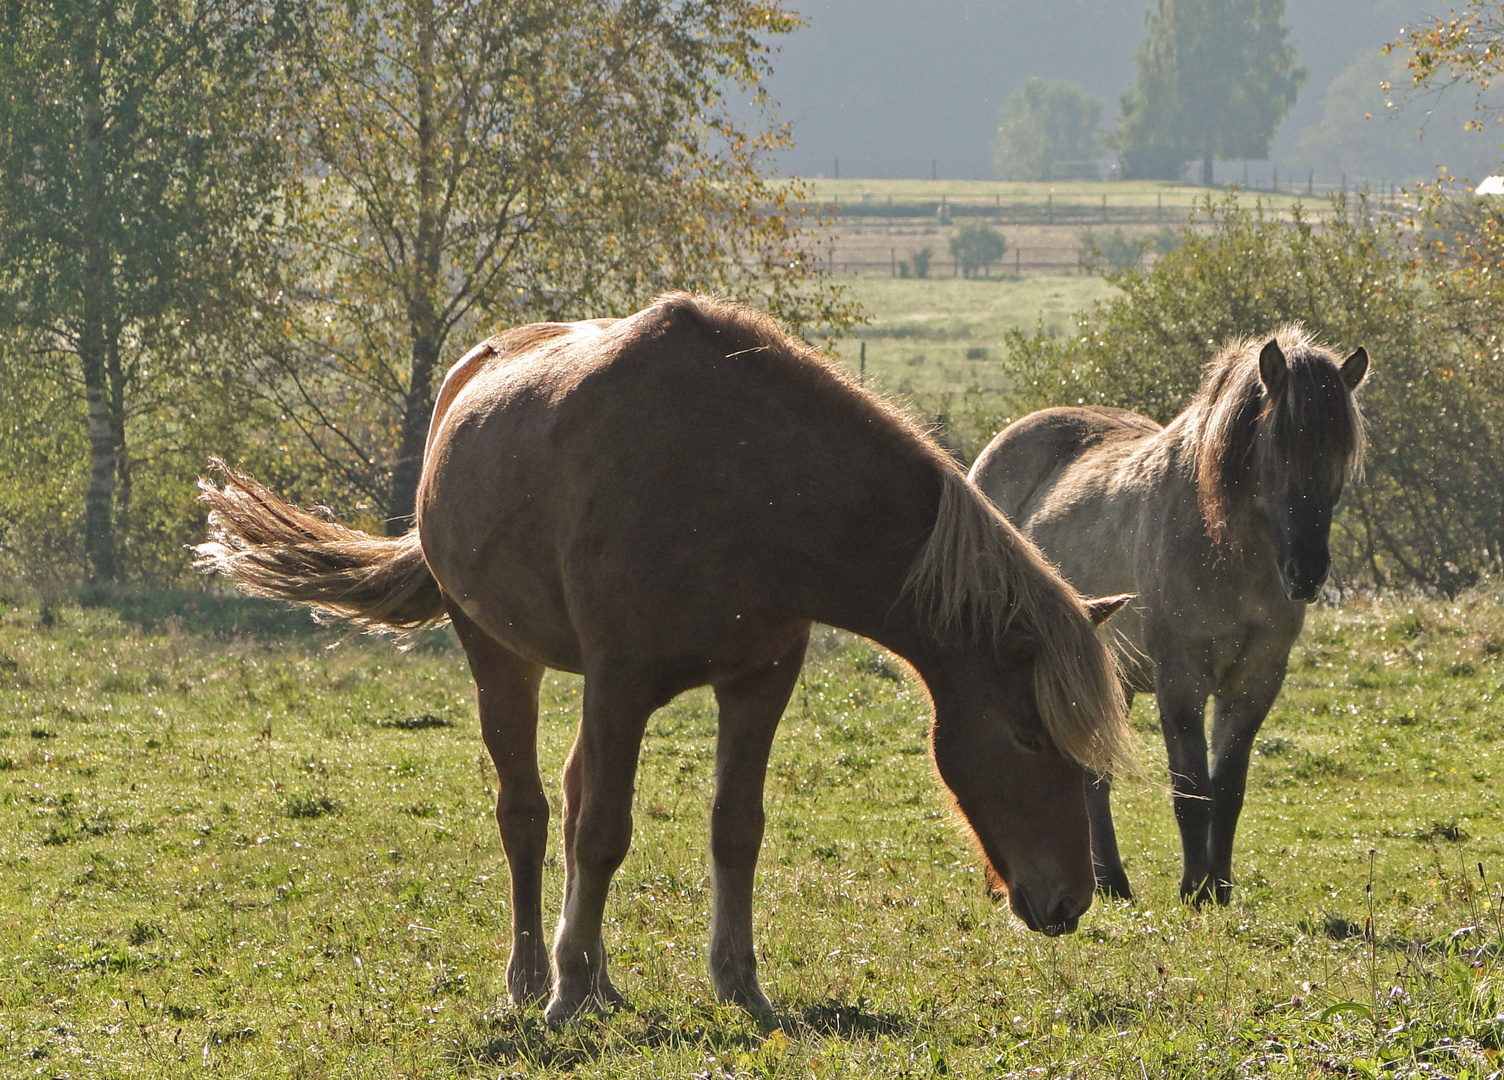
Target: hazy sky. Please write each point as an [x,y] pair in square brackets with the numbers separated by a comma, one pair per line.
[890,86]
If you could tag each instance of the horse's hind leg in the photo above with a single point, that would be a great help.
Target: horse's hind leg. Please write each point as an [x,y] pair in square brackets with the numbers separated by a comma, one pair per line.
[1236,719]
[598,779]
[507,693]
[750,708]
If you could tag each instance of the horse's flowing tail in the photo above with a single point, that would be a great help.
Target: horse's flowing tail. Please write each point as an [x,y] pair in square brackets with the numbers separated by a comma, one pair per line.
[271,548]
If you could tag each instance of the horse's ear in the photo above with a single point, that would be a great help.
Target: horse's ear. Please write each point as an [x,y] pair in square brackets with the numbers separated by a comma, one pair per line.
[1101,608]
[1354,368]
[1274,369]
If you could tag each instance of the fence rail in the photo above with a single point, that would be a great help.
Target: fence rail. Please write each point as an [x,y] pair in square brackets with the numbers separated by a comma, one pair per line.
[1010,265]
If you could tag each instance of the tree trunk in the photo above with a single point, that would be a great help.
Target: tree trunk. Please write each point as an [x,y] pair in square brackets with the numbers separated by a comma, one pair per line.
[424,320]
[99,498]
[1206,169]
[97,337]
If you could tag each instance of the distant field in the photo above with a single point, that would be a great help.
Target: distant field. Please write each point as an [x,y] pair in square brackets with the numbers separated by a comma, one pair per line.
[256,856]
[1178,198]
[932,340]
[879,224]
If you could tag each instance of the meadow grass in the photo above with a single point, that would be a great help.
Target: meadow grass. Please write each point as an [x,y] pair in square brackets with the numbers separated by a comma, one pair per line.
[933,336]
[232,845]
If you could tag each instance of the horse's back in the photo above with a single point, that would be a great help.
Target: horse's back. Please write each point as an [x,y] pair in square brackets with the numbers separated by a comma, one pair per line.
[642,482]
[1024,463]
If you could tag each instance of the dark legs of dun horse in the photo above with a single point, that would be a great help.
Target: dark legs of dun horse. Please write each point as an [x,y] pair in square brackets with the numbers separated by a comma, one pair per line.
[507,694]
[750,708]
[1208,794]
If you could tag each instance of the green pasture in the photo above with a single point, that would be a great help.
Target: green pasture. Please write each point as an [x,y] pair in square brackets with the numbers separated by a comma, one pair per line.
[232,844]
[935,336]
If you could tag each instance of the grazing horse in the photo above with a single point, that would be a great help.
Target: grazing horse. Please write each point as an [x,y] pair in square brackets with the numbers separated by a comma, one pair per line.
[668,501]
[1219,523]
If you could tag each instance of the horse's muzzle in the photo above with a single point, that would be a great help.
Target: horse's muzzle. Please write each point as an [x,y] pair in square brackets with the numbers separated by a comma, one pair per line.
[1062,917]
[1302,583]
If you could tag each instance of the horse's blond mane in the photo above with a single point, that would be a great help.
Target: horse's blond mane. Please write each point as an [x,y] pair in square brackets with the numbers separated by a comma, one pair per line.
[1223,420]
[980,576]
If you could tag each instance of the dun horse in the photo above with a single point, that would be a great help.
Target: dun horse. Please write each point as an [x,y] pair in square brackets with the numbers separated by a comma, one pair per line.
[1219,523]
[668,501]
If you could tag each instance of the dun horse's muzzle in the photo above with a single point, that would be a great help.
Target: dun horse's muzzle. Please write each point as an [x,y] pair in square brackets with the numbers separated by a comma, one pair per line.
[1303,581]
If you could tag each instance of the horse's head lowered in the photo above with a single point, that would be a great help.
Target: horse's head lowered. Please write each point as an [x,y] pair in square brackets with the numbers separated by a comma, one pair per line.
[1019,793]
[1280,437]
[1026,700]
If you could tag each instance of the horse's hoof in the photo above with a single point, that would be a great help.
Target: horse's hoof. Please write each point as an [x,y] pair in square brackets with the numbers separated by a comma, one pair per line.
[1195,894]
[1115,889]
[748,996]
[605,998]
[560,1010]
[528,984]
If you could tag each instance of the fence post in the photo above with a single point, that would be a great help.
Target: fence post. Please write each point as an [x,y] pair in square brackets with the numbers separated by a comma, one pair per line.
[892,262]
[1104,209]
[1017,264]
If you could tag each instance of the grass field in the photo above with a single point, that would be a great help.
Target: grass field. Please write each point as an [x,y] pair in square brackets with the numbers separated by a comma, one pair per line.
[938,345]
[939,335]
[253,853]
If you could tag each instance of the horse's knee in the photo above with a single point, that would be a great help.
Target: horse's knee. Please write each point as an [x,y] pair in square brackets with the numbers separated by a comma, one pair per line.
[736,833]
[522,816]
[602,845]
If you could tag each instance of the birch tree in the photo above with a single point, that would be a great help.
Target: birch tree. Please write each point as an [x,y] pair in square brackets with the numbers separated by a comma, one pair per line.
[479,163]
[133,180]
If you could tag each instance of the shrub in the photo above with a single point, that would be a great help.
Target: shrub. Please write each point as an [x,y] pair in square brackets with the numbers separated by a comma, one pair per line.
[976,247]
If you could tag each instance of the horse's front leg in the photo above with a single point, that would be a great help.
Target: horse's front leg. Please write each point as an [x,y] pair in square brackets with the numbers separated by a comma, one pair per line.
[506,689]
[1112,879]
[598,779]
[750,708]
[1182,716]
[1236,719]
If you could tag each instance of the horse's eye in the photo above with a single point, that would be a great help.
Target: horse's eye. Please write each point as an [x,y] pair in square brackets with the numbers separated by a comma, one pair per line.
[1028,743]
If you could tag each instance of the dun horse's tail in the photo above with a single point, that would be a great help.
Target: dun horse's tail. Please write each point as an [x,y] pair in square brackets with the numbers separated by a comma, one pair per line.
[274,549]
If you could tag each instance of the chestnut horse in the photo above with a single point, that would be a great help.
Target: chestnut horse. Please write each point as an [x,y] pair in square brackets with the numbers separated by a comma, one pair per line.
[1219,523]
[667,501]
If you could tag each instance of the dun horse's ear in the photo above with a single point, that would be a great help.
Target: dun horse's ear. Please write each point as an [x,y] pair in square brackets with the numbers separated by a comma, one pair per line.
[1274,369]
[1101,608]
[1354,368]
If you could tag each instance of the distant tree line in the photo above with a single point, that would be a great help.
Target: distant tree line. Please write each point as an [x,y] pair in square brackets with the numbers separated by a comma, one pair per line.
[265,227]
[1215,78]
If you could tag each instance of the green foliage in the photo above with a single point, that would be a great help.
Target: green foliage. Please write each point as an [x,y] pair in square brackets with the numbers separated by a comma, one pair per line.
[921,260]
[486,164]
[1370,127]
[1430,508]
[152,857]
[975,247]
[265,229]
[136,181]
[1048,131]
[1215,78]
[1118,251]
